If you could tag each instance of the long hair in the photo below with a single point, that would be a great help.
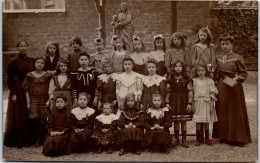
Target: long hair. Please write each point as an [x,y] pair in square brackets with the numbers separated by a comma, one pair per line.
[181,36]
[184,71]
[141,41]
[131,95]
[56,44]
[164,44]
[209,37]
[116,37]
[39,58]
[64,61]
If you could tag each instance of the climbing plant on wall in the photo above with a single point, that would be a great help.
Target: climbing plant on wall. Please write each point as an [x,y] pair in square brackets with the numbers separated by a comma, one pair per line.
[243,25]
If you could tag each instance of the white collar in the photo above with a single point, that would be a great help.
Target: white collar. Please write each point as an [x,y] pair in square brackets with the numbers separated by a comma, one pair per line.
[82,113]
[107,119]
[152,80]
[157,113]
[128,79]
[105,77]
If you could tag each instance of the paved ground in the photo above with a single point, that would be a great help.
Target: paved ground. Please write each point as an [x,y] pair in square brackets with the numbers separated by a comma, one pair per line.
[218,152]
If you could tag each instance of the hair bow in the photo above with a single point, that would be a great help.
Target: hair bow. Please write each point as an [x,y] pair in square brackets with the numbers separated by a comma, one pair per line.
[98,40]
[158,37]
[136,38]
[114,37]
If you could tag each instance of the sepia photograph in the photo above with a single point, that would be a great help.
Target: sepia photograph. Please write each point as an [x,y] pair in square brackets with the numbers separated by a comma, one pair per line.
[130,80]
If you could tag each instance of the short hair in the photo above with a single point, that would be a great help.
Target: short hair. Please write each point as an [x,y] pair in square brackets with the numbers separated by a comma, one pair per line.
[153,61]
[204,66]
[181,36]
[84,54]
[39,58]
[77,40]
[225,37]
[158,37]
[62,96]
[88,96]
[56,44]
[107,103]
[64,61]
[18,44]
[157,94]
[128,59]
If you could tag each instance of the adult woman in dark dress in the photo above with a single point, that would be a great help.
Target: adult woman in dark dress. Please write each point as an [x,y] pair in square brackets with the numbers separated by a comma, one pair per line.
[232,126]
[18,124]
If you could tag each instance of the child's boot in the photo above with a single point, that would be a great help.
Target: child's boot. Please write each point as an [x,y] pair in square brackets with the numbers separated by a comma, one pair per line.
[138,148]
[122,150]
[109,151]
[207,140]
[198,138]
[184,143]
[177,141]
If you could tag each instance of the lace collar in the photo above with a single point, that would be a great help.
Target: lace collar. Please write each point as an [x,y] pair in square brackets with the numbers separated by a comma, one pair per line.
[158,55]
[157,113]
[128,116]
[99,57]
[105,77]
[128,79]
[82,113]
[152,80]
[106,119]
[176,52]
[139,58]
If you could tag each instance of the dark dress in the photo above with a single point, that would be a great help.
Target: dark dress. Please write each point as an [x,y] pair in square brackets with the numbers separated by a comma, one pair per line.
[38,91]
[109,122]
[57,144]
[152,84]
[18,132]
[73,58]
[179,97]
[159,56]
[231,109]
[81,119]
[56,89]
[51,65]
[136,117]
[162,136]
[84,82]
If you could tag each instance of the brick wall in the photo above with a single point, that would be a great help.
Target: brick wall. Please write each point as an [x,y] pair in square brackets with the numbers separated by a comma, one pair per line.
[81,19]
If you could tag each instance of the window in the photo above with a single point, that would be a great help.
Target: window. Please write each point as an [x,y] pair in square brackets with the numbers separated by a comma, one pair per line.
[27,6]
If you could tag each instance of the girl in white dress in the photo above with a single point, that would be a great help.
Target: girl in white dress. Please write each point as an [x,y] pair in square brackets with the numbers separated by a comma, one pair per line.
[204,92]
[128,82]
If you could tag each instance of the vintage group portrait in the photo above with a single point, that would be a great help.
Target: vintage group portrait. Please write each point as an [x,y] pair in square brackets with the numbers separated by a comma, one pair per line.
[130,80]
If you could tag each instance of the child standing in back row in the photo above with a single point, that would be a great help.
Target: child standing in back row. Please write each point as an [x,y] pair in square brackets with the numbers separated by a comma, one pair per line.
[139,55]
[159,54]
[74,57]
[203,52]
[117,57]
[177,52]
[97,59]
